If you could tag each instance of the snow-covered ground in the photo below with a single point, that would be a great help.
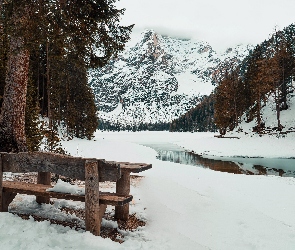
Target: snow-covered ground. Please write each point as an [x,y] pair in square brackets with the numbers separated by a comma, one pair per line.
[185,207]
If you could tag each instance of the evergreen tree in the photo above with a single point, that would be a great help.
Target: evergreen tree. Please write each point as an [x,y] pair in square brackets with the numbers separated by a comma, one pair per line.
[198,119]
[269,68]
[229,98]
[86,28]
[33,126]
[259,81]
[81,115]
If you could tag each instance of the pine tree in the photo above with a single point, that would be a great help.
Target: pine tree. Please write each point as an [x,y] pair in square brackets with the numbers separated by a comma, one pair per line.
[228,98]
[33,126]
[89,29]
[273,72]
[198,119]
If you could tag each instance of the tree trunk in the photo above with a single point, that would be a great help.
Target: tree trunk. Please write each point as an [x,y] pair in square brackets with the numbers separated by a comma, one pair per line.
[1,21]
[12,117]
[3,51]
[258,112]
[277,100]
[48,87]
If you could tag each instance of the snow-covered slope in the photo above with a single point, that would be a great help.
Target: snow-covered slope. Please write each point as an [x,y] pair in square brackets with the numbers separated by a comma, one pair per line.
[269,118]
[157,80]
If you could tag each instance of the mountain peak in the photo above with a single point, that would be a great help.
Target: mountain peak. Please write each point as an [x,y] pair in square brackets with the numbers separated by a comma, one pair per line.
[148,35]
[157,80]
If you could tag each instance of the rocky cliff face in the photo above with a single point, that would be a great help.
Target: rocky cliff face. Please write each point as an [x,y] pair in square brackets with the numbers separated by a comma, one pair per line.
[157,80]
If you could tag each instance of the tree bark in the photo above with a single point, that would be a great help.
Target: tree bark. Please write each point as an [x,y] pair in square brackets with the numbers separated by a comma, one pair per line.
[12,117]
[277,100]
[258,112]
[1,21]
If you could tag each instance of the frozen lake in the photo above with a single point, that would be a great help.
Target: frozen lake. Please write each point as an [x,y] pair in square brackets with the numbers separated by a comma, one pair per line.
[238,165]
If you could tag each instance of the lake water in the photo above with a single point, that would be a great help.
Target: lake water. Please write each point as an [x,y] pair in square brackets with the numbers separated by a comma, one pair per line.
[237,165]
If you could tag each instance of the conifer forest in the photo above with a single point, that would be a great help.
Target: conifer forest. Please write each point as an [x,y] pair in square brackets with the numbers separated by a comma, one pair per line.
[46,49]
[243,88]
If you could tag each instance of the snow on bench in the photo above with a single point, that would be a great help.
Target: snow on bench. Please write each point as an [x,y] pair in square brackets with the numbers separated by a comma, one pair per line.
[60,192]
[92,171]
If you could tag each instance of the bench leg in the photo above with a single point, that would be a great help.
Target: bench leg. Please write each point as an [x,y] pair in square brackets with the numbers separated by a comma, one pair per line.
[1,185]
[7,198]
[102,210]
[92,208]
[43,178]
[123,188]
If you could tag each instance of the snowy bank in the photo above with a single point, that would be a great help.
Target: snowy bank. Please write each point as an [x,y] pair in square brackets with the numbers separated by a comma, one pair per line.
[185,207]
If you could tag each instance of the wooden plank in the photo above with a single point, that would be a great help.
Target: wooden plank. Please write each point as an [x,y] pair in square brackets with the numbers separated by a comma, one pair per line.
[134,167]
[123,188]
[72,167]
[43,178]
[39,189]
[92,220]
[1,189]
[109,170]
[114,199]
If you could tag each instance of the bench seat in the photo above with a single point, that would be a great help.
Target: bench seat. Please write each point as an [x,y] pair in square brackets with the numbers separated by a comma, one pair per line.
[105,198]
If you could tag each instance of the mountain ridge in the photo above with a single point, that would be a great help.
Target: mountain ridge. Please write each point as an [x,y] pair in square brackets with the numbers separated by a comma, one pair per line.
[157,80]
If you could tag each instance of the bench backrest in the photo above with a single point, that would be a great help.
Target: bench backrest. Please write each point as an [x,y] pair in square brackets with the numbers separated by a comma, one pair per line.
[73,167]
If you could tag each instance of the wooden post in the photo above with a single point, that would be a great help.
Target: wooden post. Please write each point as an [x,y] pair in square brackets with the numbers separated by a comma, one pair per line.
[102,210]
[7,198]
[1,189]
[123,188]
[43,178]
[92,216]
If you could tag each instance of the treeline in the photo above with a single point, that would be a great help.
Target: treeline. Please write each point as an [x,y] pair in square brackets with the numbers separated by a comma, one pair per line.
[61,40]
[63,94]
[158,126]
[245,87]
[198,119]
[57,91]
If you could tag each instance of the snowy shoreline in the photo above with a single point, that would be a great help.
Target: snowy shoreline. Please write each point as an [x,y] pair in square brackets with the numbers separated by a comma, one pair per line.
[205,144]
[185,207]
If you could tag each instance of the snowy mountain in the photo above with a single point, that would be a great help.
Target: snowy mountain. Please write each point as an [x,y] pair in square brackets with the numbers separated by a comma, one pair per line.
[156,80]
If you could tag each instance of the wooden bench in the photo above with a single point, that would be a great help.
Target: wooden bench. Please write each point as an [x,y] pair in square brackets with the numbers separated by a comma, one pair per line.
[92,171]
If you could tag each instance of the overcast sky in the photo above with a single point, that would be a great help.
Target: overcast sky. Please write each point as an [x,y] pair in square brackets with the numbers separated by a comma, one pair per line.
[222,23]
